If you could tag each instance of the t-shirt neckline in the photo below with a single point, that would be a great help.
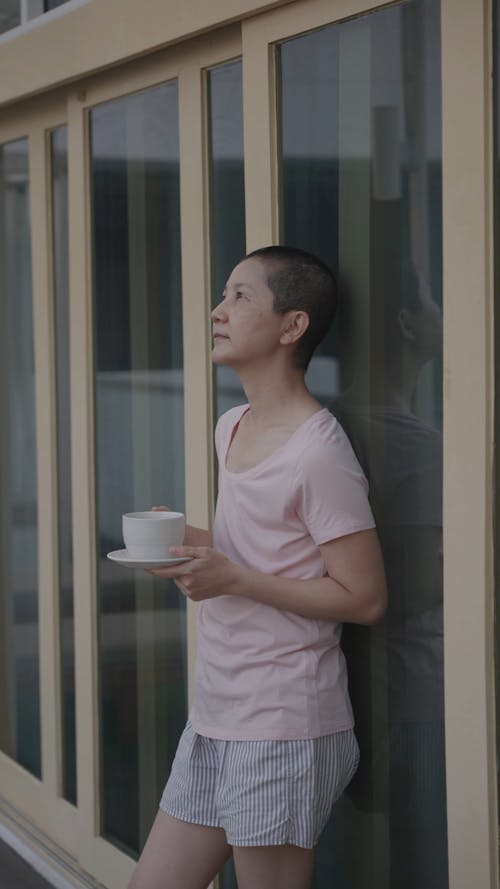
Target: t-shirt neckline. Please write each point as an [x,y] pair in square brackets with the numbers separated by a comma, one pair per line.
[270,457]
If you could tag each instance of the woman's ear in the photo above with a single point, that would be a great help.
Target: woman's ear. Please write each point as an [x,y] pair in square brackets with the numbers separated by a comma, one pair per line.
[406,325]
[295,327]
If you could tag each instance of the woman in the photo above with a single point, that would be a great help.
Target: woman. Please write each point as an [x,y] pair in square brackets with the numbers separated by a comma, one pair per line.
[269,745]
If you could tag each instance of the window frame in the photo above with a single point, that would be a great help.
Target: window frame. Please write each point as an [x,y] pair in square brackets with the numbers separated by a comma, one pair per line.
[31,19]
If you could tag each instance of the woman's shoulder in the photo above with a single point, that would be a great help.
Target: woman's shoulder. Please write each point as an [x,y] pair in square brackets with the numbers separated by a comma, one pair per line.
[327,445]
[324,432]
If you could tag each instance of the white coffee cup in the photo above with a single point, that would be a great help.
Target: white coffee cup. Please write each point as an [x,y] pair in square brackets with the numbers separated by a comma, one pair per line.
[149,535]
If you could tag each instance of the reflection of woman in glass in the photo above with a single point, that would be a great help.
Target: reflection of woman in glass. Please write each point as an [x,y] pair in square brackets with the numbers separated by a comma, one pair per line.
[402,458]
[269,744]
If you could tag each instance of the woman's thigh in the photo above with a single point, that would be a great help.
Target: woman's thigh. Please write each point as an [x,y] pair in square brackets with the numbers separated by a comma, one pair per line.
[180,854]
[273,867]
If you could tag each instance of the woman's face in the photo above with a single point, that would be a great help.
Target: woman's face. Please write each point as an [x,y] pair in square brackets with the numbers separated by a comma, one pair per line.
[245,326]
[428,326]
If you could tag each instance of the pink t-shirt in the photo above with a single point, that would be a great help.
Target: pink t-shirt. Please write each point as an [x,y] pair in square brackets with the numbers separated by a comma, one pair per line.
[263,673]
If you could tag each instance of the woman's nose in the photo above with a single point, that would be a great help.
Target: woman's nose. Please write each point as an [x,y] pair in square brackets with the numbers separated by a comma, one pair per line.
[219,313]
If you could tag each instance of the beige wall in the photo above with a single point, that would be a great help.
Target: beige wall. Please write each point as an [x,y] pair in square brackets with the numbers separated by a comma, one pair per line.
[102,33]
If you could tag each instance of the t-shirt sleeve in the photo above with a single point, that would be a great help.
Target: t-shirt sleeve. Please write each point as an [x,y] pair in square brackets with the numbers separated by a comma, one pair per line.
[331,494]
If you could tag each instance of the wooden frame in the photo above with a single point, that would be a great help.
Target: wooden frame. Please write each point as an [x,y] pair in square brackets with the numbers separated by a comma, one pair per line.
[469,446]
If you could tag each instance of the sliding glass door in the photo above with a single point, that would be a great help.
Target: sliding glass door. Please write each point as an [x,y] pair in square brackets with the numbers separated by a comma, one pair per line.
[139,402]
[360,174]
[19,645]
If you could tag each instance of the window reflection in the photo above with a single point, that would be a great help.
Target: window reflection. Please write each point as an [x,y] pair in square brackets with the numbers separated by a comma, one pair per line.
[227,200]
[52,4]
[59,170]
[10,15]
[361,187]
[140,446]
[14,12]
[19,649]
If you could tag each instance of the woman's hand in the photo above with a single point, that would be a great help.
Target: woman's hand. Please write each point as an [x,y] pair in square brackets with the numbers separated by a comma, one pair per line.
[192,536]
[208,573]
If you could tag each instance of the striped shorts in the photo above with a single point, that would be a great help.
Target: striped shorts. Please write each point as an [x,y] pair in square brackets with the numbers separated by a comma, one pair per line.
[262,793]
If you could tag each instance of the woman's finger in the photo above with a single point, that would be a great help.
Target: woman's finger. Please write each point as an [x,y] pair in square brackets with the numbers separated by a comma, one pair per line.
[192,552]
[175,571]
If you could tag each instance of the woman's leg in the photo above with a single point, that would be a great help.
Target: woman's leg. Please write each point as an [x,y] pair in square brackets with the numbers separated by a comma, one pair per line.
[180,854]
[273,867]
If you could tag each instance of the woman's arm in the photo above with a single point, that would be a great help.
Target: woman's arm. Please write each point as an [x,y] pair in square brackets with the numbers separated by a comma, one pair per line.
[353,591]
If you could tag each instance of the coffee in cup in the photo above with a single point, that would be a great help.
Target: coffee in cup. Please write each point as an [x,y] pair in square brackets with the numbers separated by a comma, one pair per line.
[149,535]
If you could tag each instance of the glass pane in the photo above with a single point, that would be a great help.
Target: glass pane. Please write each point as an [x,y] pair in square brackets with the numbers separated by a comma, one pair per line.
[53,4]
[10,15]
[59,163]
[19,670]
[361,187]
[139,402]
[227,200]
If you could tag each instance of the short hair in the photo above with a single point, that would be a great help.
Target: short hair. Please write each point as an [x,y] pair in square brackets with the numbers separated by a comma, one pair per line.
[302,282]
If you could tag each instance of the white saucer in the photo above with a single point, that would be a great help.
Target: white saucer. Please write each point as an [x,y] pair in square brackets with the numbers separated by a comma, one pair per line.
[122,557]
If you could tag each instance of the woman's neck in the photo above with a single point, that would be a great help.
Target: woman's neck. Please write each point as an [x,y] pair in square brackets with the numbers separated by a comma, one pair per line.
[277,400]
